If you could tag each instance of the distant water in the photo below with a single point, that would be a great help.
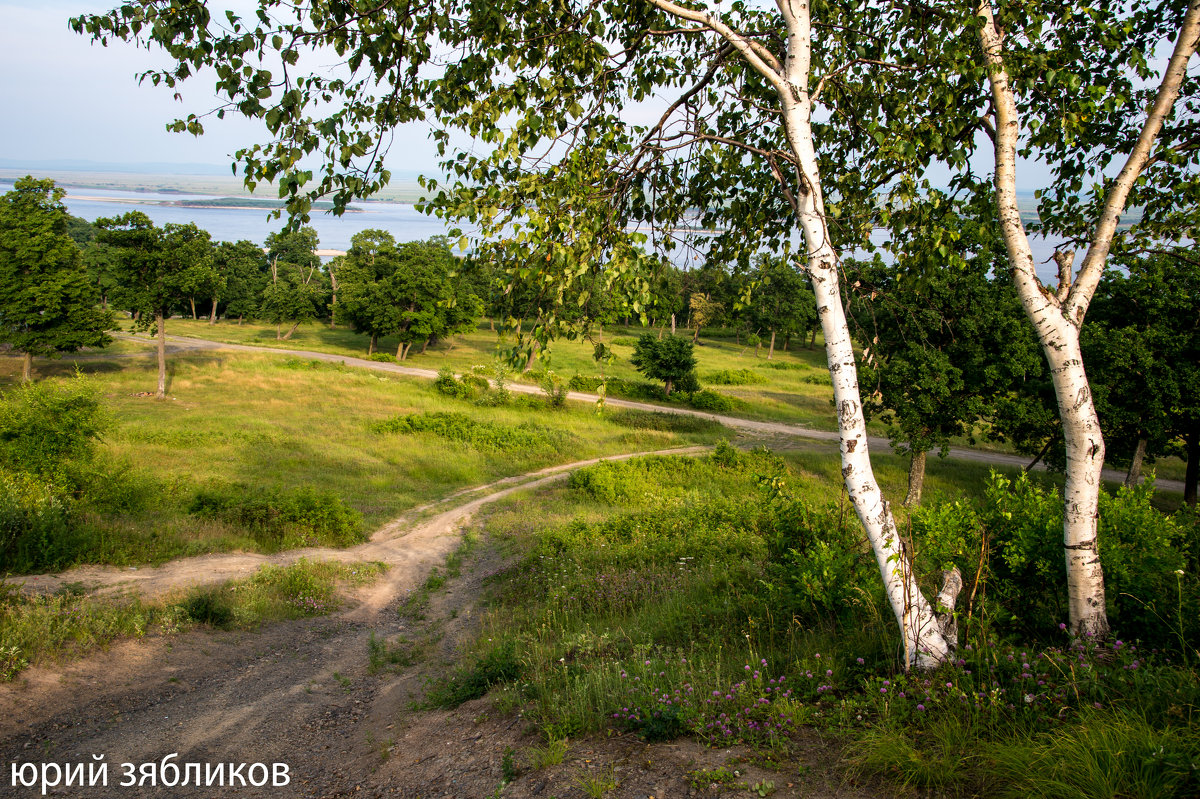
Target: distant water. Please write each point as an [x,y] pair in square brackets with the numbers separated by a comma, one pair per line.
[402,220]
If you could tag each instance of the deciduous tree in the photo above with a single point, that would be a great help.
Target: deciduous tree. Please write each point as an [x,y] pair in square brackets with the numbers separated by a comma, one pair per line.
[47,303]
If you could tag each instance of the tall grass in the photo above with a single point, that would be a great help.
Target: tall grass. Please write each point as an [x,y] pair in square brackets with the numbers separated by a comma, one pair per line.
[669,597]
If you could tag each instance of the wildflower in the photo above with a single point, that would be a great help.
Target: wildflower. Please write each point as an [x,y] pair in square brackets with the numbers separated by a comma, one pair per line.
[861,661]
[921,708]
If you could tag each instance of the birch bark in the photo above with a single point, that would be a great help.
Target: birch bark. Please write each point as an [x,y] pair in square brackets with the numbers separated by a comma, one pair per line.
[922,628]
[1057,316]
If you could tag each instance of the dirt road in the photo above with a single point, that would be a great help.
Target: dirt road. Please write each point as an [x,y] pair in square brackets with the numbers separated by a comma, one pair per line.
[302,693]
[748,425]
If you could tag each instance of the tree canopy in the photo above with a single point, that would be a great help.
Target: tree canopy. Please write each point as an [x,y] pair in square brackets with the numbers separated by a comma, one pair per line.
[47,304]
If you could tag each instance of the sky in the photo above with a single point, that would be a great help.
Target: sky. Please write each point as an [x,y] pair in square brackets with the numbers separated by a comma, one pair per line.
[64,98]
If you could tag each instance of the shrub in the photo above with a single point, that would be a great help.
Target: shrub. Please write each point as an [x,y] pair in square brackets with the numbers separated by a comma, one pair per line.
[734,377]
[35,524]
[581,383]
[484,436]
[50,428]
[556,390]
[708,400]
[496,665]
[666,422]
[383,357]
[1141,551]
[279,519]
[671,360]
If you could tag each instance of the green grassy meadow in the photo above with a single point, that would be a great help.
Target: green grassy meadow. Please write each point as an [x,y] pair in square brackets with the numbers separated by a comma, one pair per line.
[239,422]
[792,387]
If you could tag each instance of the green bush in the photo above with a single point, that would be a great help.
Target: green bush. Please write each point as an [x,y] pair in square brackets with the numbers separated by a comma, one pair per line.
[1142,552]
[278,519]
[382,357]
[666,422]
[50,428]
[35,524]
[496,665]
[581,383]
[734,377]
[485,436]
[708,400]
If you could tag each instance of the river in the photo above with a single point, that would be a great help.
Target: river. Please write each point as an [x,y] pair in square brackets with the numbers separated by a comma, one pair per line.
[402,220]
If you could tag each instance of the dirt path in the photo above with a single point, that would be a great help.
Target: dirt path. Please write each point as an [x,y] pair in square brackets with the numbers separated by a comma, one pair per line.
[303,693]
[410,545]
[180,344]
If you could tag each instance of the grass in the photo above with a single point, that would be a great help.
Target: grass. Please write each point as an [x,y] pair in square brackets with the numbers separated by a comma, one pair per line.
[798,394]
[669,596]
[242,429]
[38,629]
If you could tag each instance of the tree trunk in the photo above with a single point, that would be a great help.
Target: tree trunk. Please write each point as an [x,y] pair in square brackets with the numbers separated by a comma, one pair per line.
[771,350]
[927,630]
[786,341]
[492,324]
[672,324]
[278,333]
[696,334]
[923,629]
[162,356]
[812,340]
[27,367]
[291,331]
[1134,476]
[371,346]
[1191,475]
[668,385]
[916,479]
[533,351]
[192,300]
[212,317]
[424,346]
[241,318]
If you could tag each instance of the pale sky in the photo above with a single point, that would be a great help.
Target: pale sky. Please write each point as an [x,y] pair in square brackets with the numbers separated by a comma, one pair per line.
[61,97]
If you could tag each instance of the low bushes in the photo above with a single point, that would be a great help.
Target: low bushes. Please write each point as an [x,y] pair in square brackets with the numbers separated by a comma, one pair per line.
[486,436]
[734,377]
[278,519]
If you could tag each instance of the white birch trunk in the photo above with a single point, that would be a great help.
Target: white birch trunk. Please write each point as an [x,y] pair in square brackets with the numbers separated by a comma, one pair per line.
[1057,316]
[923,630]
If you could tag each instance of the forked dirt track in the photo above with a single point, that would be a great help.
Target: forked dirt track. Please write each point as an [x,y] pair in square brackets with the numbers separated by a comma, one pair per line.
[302,693]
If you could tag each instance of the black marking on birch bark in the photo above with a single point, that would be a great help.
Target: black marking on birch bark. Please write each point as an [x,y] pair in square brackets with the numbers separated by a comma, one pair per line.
[851,445]
[847,470]
[1086,546]
[1081,398]
[846,410]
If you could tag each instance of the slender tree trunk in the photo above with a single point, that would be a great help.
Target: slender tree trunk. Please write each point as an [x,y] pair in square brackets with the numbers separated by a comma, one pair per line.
[812,339]
[786,341]
[668,385]
[696,334]
[916,479]
[1192,475]
[923,629]
[162,355]
[771,350]
[672,324]
[371,346]
[192,300]
[291,330]
[278,333]
[27,367]
[1058,315]
[492,324]
[1134,476]
[241,318]
[212,317]
[533,351]
[927,629]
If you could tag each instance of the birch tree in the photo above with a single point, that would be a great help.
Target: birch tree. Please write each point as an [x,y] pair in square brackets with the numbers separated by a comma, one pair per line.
[1057,312]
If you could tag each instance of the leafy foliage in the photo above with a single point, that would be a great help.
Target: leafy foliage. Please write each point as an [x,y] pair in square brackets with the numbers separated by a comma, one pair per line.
[47,303]
[670,360]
